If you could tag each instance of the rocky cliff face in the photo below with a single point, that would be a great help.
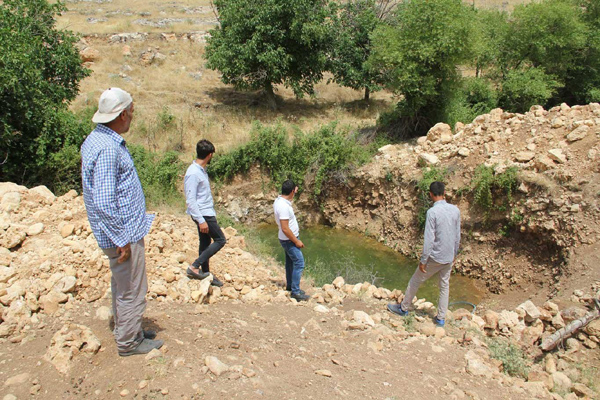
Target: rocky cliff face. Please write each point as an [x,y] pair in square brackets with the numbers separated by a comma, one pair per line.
[556,153]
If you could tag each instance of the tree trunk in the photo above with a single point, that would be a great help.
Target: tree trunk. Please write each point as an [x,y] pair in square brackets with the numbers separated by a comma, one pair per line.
[551,341]
[367,94]
[270,96]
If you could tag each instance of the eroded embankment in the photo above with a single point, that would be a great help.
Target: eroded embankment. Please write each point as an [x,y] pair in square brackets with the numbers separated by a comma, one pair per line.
[542,232]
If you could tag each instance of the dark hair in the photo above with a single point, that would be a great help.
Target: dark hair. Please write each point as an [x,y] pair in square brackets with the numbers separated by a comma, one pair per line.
[437,188]
[287,187]
[204,148]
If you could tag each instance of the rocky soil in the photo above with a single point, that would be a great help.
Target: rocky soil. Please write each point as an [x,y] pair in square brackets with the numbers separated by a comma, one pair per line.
[249,339]
[552,246]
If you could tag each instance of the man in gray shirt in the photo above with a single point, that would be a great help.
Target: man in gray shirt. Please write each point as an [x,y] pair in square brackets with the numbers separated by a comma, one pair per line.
[200,207]
[440,247]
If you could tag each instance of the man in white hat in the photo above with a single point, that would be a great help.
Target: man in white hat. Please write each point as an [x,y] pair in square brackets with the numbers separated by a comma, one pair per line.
[116,209]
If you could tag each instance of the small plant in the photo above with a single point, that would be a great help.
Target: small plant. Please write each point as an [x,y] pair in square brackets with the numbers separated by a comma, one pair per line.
[514,220]
[409,322]
[487,187]
[514,360]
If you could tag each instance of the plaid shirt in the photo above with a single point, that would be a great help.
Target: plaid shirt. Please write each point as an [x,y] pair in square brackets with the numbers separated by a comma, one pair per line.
[112,191]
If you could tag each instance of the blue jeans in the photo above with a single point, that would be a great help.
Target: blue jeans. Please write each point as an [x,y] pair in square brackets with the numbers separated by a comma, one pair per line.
[294,265]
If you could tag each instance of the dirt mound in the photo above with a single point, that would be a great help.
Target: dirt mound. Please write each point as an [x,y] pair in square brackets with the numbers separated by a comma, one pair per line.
[249,338]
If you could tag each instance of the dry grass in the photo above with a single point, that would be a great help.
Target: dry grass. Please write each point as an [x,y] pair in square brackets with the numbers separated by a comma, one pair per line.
[201,106]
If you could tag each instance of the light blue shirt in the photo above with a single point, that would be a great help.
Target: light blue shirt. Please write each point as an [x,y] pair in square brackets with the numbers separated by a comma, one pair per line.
[198,196]
[442,233]
[112,192]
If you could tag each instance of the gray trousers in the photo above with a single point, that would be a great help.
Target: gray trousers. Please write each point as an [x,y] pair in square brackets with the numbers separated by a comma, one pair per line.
[419,277]
[128,285]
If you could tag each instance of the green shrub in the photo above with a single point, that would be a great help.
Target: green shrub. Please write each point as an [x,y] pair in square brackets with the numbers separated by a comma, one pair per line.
[486,183]
[514,360]
[475,96]
[160,175]
[523,88]
[430,175]
[314,156]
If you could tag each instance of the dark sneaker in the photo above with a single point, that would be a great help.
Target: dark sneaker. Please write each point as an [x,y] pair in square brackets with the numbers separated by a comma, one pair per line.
[397,309]
[300,291]
[197,275]
[216,282]
[145,347]
[149,334]
[439,322]
[300,296]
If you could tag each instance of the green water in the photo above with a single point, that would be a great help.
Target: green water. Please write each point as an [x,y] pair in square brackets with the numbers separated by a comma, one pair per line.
[330,245]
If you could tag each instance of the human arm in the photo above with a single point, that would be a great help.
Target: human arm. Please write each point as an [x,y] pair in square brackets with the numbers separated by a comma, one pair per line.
[457,244]
[429,238]
[190,187]
[104,194]
[285,228]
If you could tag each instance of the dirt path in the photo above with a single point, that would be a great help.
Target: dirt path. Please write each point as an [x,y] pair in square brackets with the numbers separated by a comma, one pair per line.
[278,348]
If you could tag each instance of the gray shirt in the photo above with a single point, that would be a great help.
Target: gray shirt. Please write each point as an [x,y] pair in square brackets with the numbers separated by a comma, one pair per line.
[442,233]
[198,196]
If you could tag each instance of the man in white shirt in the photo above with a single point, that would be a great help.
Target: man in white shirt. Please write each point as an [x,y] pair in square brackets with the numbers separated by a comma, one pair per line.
[200,207]
[289,239]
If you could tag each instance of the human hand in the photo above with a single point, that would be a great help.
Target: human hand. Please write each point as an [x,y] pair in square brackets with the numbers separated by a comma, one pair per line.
[203,227]
[423,267]
[299,244]
[124,253]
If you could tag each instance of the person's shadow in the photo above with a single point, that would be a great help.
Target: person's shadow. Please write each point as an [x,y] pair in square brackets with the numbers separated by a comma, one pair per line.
[148,324]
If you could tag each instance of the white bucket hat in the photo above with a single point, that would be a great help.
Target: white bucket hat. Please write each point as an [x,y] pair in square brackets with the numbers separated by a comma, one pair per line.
[112,103]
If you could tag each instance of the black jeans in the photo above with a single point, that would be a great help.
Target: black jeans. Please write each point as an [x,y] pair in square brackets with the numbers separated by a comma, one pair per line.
[207,249]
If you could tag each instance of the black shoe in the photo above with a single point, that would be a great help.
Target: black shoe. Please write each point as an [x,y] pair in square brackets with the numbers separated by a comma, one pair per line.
[145,347]
[149,334]
[216,282]
[300,296]
[197,275]
[301,291]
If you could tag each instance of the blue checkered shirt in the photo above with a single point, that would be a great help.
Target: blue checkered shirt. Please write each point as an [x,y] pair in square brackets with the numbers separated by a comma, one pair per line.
[112,192]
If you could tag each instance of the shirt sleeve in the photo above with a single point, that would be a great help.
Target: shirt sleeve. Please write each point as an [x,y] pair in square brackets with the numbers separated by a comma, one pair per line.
[284,212]
[457,244]
[429,237]
[190,186]
[105,196]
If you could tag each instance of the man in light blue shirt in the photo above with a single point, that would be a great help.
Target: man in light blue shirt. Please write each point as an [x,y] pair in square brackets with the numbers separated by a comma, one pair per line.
[200,207]
[440,247]
[116,208]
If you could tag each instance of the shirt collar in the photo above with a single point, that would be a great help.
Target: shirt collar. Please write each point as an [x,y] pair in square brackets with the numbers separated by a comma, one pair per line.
[439,202]
[101,128]
[284,199]
[199,166]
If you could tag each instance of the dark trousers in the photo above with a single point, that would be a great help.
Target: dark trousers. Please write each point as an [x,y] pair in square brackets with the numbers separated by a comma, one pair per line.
[206,249]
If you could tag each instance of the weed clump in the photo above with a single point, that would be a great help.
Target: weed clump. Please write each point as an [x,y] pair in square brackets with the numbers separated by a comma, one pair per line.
[514,360]
[489,187]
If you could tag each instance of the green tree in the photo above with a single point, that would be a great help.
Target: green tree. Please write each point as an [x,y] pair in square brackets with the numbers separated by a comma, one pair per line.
[355,22]
[263,43]
[582,84]
[419,52]
[40,70]
[540,52]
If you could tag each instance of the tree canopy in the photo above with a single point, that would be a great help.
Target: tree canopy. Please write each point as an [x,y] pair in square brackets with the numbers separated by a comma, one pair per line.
[40,70]
[262,43]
